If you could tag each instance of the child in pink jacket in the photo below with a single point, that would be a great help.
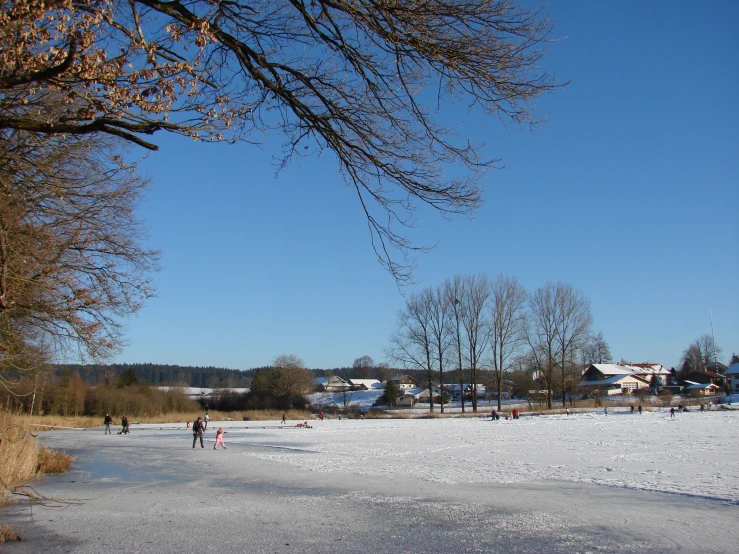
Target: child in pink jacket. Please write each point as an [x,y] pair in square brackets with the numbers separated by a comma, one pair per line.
[219,438]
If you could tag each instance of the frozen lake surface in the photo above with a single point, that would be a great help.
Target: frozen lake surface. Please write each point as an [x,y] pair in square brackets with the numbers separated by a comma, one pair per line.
[580,483]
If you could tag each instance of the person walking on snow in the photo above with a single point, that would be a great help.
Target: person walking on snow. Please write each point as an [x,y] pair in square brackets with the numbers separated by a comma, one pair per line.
[219,438]
[283,418]
[672,412]
[207,419]
[108,422]
[197,431]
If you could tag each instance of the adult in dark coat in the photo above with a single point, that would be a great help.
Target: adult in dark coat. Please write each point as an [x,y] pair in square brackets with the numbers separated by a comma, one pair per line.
[197,431]
[108,422]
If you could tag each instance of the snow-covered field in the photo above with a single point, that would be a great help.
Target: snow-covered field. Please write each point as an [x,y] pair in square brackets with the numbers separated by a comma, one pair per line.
[693,453]
[587,482]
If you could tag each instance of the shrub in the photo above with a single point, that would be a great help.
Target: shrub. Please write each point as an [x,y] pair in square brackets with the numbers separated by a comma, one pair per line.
[52,461]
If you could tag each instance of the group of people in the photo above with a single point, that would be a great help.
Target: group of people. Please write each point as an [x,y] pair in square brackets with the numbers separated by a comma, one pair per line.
[495,416]
[199,427]
[108,421]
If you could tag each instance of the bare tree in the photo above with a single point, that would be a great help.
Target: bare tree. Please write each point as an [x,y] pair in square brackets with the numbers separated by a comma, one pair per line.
[542,332]
[344,76]
[363,367]
[453,293]
[413,342]
[439,317]
[291,377]
[507,325]
[596,350]
[699,355]
[72,262]
[476,291]
[574,319]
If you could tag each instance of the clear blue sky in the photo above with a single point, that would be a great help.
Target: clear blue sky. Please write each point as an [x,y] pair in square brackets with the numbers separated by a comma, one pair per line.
[629,192]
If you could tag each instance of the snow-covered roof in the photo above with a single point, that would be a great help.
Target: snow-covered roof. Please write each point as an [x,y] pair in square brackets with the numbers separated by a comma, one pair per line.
[369,383]
[696,386]
[618,369]
[732,369]
[328,380]
[614,369]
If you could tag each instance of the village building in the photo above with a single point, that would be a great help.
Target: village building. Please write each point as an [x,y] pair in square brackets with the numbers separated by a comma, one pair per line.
[333,383]
[610,379]
[405,382]
[732,374]
[366,384]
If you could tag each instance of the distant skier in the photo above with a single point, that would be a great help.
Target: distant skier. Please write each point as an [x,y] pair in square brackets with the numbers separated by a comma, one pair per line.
[219,439]
[197,432]
[108,422]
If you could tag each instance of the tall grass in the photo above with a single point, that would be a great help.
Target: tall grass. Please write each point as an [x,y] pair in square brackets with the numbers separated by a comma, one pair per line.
[18,454]
[21,460]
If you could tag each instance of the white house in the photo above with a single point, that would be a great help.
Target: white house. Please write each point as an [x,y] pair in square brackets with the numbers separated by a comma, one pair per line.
[612,379]
[331,384]
[732,374]
[405,382]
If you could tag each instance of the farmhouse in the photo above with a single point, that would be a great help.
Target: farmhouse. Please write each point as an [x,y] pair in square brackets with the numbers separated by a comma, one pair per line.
[609,379]
[405,382]
[333,383]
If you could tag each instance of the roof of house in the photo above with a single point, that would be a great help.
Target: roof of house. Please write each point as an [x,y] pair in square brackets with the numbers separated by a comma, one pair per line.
[710,374]
[695,386]
[327,380]
[732,370]
[619,369]
[369,383]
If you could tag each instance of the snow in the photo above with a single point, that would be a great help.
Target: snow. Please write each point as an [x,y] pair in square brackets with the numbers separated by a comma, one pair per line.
[587,482]
[694,453]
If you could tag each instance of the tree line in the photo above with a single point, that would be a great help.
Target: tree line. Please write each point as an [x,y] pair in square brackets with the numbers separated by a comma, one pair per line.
[159,374]
[469,324]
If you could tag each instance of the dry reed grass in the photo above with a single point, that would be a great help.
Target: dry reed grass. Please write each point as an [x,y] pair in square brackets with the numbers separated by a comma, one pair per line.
[53,461]
[18,454]
[6,534]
